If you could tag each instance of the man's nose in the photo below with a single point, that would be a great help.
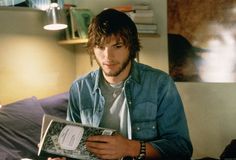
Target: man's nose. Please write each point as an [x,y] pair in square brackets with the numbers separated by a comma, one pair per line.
[107,52]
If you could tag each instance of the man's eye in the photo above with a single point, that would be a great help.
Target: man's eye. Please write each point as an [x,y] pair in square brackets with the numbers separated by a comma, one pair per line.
[118,46]
[101,47]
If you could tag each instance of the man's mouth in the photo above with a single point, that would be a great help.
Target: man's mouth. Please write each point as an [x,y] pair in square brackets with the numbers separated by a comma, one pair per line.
[109,64]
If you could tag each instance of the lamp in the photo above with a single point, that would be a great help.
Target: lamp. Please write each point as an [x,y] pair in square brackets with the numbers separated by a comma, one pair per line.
[55,19]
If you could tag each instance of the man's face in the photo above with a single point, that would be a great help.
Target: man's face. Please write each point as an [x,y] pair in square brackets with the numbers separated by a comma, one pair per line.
[112,57]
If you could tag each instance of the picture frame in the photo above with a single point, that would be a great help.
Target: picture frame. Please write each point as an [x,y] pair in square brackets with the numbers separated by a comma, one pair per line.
[78,23]
[201,42]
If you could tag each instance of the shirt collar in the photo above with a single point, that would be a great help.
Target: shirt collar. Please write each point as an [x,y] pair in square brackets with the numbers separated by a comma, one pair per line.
[97,74]
[135,72]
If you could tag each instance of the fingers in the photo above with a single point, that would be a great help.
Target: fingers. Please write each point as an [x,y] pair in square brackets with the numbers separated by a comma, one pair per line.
[58,158]
[107,147]
[101,139]
[97,145]
[101,142]
[100,147]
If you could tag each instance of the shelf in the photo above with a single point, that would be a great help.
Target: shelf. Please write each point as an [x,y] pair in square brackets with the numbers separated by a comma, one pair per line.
[73,41]
[82,41]
[7,8]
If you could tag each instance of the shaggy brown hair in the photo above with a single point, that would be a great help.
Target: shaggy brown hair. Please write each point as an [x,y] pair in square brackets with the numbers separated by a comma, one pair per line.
[112,22]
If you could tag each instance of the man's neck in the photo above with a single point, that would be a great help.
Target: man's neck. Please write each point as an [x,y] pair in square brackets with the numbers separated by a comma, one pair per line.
[121,77]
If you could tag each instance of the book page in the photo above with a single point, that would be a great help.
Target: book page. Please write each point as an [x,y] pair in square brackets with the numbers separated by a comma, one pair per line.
[45,122]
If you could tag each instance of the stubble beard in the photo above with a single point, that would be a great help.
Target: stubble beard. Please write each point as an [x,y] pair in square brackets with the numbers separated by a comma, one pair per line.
[119,71]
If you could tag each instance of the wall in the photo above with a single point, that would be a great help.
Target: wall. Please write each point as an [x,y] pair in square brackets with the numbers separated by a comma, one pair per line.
[210,110]
[31,61]
[210,107]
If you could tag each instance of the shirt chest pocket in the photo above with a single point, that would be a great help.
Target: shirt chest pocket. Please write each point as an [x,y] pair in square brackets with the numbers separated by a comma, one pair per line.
[145,130]
[144,126]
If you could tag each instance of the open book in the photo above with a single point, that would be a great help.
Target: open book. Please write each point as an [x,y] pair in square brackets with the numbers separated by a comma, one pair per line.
[61,138]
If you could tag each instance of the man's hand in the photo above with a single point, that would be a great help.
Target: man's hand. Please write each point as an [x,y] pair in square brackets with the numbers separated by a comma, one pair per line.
[63,158]
[112,147]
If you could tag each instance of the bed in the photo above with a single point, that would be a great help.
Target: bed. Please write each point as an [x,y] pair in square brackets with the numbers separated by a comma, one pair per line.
[20,124]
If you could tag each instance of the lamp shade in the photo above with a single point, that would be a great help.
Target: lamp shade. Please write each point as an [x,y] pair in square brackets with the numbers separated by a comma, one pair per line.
[55,19]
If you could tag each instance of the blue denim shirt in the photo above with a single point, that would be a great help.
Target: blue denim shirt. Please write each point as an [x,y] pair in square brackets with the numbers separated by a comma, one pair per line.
[156,110]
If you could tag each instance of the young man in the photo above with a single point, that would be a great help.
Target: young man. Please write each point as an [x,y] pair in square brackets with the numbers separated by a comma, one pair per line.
[140,102]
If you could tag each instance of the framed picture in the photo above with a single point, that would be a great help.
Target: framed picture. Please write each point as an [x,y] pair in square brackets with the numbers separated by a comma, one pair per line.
[202,40]
[78,20]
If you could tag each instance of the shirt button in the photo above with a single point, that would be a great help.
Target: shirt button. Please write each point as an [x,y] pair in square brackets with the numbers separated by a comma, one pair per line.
[153,127]
[138,128]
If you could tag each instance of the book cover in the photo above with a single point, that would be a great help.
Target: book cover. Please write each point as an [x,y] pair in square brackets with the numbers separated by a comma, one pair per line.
[130,7]
[61,138]
[80,20]
[141,6]
[143,13]
[124,8]
[142,16]
[146,20]
[147,31]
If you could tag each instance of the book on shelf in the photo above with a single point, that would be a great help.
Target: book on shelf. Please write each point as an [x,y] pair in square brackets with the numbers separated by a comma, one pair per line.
[80,20]
[142,16]
[146,26]
[140,6]
[124,8]
[61,138]
[146,20]
[143,13]
[130,7]
[147,31]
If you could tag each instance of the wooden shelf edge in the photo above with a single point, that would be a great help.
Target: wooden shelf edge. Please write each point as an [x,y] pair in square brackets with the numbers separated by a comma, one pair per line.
[5,8]
[73,41]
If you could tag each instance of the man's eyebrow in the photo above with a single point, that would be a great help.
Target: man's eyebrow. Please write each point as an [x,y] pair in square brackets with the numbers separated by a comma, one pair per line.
[118,43]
